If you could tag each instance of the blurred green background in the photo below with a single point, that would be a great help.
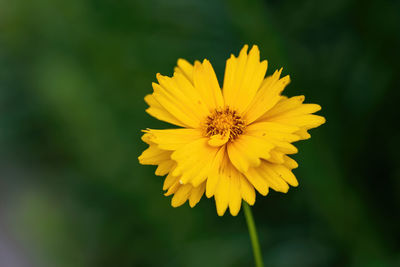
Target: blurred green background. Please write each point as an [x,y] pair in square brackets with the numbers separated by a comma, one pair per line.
[73,75]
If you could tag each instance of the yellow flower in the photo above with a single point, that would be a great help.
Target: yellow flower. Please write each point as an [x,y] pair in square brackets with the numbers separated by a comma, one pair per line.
[231,141]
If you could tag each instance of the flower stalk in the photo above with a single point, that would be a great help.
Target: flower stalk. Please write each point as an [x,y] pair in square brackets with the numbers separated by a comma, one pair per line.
[253,235]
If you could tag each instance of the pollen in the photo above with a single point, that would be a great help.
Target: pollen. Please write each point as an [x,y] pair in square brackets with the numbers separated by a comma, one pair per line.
[224,122]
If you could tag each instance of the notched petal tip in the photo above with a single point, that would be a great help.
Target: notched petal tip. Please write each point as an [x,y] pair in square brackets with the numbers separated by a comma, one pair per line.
[286,80]
[198,66]
[300,98]
[244,49]
[264,192]
[175,203]
[252,202]
[234,212]
[316,107]
[182,61]
[221,212]
[254,48]
[284,190]
[318,120]
[154,84]
[159,76]
[264,64]
[192,204]
[206,61]
[148,99]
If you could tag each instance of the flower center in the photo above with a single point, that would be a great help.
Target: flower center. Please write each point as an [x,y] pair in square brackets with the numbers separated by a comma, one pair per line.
[225,124]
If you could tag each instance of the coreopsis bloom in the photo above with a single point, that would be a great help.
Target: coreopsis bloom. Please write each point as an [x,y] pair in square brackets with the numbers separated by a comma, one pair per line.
[228,142]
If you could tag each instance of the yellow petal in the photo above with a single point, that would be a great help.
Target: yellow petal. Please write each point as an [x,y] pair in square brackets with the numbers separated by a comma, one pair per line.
[201,175]
[159,112]
[173,188]
[266,127]
[303,134]
[308,121]
[283,105]
[229,77]
[290,163]
[292,111]
[178,96]
[267,96]
[154,156]
[172,139]
[176,107]
[196,194]
[255,177]
[181,195]
[188,90]
[222,194]
[238,158]
[170,180]
[235,196]
[214,175]
[246,151]
[196,173]
[243,77]
[194,161]
[185,192]
[283,146]
[273,179]
[212,182]
[185,68]
[206,83]
[247,191]
[273,132]
[292,106]
[276,157]
[165,167]
[284,173]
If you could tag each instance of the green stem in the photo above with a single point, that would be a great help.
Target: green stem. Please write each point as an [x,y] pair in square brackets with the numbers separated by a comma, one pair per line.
[253,235]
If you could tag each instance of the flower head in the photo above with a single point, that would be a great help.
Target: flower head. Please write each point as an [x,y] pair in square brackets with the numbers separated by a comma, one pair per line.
[231,142]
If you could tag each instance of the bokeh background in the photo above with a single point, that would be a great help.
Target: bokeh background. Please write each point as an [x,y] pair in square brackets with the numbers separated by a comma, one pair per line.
[73,75]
